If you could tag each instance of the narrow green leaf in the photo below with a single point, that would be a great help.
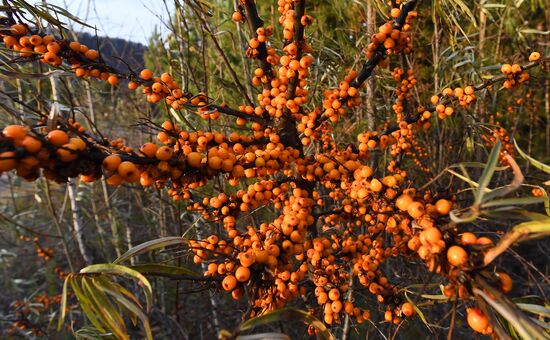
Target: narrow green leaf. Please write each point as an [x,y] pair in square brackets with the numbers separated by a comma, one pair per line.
[132,307]
[288,314]
[514,201]
[116,287]
[65,13]
[104,309]
[418,311]
[123,271]
[488,172]
[63,303]
[534,162]
[475,165]
[535,309]
[149,246]
[85,304]
[465,179]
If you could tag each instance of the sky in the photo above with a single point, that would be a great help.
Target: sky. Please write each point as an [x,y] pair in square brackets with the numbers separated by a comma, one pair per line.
[133,20]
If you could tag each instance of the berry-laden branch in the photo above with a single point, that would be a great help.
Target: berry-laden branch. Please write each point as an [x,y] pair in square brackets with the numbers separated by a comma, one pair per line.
[333,221]
[466,96]
[258,48]
[385,43]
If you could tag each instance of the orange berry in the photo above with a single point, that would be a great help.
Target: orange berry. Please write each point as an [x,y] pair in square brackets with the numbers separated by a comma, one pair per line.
[534,56]
[146,74]
[35,40]
[407,309]
[114,180]
[67,152]
[7,163]
[113,80]
[53,47]
[229,282]
[402,202]
[443,207]
[468,238]
[505,282]
[506,68]
[416,209]
[477,320]
[237,16]
[133,85]
[432,235]
[457,256]
[164,153]
[336,306]
[247,259]
[242,274]
[334,294]
[149,149]
[18,29]
[111,162]
[128,171]
[75,46]
[57,137]
[91,54]
[194,159]
[15,132]
[395,12]
[31,144]
[484,241]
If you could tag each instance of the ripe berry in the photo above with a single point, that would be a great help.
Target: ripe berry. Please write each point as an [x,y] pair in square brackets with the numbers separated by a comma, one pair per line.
[457,256]
[477,320]
[229,282]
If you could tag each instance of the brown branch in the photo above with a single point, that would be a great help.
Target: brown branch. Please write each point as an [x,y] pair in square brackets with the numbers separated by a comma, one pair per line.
[232,112]
[255,22]
[298,39]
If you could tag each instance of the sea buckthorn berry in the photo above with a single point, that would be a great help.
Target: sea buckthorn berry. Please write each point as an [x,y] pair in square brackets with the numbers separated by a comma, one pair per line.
[113,80]
[7,161]
[246,259]
[457,256]
[18,29]
[506,68]
[242,274]
[468,238]
[149,149]
[146,74]
[403,202]
[534,56]
[443,207]
[31,144]
[229,282]
[15,132]
[164,153]
[57,137]
[477,320]
[111,162]
[194,159]
[407,309]
[132,85]
[506,282]
[237,16]
[91,54]
[415,209]
[334,294]
[128,171]
[53,47]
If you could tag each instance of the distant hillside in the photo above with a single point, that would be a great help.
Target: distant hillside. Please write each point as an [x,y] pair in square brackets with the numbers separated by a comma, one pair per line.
[113,48]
